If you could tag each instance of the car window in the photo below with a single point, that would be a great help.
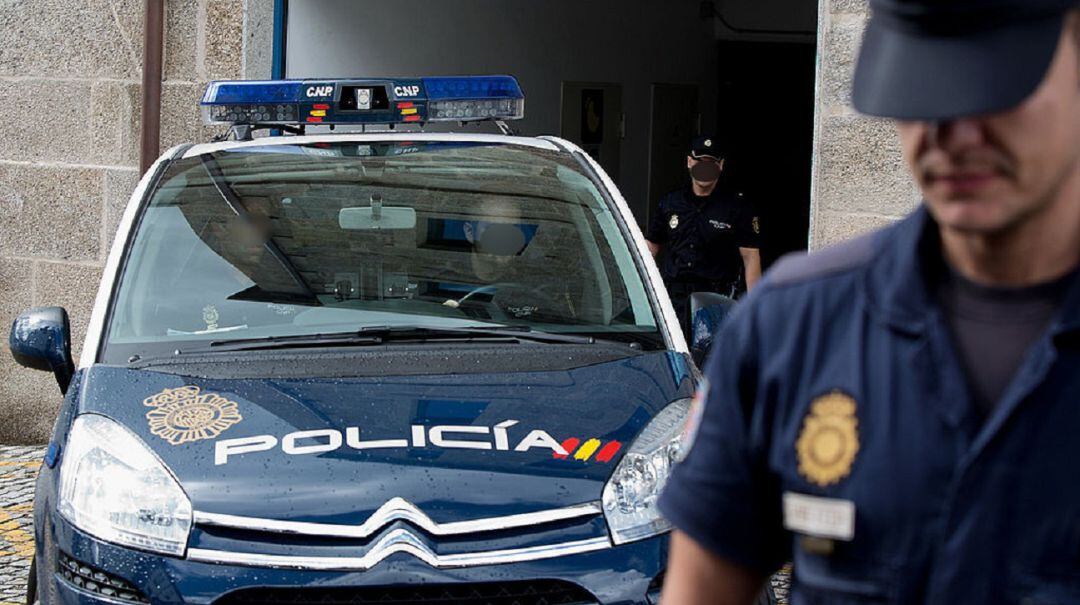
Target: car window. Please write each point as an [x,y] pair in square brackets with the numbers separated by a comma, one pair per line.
[290,239]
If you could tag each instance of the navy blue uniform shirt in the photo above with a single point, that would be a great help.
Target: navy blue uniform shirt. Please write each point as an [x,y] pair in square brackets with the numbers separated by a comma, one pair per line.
[837,379]
[701,236]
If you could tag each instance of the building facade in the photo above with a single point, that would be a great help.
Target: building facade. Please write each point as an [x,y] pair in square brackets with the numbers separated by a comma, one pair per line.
[71,75]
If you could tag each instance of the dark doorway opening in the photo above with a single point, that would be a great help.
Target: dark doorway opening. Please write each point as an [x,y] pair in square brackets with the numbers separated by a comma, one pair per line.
[765,117]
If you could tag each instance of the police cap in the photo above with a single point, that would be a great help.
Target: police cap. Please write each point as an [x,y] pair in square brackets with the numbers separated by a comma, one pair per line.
[942,59]
[705,147]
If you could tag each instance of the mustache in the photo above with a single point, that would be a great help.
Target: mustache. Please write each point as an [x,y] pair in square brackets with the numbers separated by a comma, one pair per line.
[938,164]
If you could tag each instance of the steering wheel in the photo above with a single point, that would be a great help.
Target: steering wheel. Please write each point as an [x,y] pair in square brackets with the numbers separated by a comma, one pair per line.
[467,301]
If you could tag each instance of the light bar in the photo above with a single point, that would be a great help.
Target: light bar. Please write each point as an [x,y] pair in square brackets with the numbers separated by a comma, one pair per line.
[360,101]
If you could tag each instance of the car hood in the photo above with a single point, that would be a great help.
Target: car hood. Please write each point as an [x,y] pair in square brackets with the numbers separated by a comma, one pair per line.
[336,450]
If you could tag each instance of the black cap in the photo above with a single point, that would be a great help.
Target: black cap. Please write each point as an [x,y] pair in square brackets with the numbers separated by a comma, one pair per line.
[705,147]
[942,59]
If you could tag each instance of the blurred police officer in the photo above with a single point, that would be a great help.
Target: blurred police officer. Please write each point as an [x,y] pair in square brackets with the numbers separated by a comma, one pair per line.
[708,234]
[901,415]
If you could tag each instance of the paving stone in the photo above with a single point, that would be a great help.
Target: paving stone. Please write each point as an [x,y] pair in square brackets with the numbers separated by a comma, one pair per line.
[18,469]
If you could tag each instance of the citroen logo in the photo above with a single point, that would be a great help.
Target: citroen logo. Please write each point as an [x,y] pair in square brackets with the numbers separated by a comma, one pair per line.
[399,540]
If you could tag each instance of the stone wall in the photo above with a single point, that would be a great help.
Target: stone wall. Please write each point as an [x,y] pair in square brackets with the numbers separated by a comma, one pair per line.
[70,78]
[860,181]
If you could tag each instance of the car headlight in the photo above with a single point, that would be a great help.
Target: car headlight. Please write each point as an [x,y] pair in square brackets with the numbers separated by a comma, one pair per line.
[114,487]
[632,491]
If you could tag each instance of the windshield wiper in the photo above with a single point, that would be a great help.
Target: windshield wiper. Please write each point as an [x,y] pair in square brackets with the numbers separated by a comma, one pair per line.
[377,335]
[483,332]
[299,341]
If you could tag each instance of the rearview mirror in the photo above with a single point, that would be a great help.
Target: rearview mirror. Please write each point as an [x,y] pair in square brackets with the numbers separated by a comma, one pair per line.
[707,313]
[41,339]
[376,216]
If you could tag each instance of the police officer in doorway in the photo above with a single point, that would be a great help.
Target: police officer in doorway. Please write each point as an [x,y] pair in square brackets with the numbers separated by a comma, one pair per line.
[705,235]
[900,415]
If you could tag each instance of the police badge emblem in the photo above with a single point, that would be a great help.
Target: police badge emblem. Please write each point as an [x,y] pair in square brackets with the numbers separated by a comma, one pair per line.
[186,414]
[829,440]
[211,316]
[673,221]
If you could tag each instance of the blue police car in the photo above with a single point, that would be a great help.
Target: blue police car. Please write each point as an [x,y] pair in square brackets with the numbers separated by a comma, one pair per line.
[364,367]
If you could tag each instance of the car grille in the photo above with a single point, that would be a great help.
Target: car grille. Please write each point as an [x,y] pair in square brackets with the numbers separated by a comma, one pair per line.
[97,582]
[538,592]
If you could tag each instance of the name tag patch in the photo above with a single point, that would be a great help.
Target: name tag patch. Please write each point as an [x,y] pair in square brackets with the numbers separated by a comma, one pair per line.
[822,517]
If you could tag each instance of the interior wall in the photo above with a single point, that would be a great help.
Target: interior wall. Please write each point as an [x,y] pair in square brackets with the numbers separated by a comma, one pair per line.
[634,43]
[787,21]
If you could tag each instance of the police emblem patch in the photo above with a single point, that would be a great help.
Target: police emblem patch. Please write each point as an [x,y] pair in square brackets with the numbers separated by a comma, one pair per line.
[211,316]
[673,221]
[829,440]
[187,414]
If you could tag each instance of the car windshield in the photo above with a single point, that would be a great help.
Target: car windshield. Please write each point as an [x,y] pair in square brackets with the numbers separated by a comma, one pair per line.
[283,240]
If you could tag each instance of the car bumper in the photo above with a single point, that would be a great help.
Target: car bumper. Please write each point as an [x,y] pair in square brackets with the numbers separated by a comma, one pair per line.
[625,574]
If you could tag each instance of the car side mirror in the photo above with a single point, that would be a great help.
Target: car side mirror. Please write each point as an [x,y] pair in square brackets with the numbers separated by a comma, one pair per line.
[707,312]
[41,339]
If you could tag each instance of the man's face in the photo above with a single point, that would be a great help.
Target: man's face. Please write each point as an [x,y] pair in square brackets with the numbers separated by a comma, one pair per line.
[497,239]
[987,174]
[705,170]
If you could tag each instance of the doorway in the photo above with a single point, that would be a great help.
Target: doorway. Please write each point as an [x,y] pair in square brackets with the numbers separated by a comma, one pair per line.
[765,113]
[675,121]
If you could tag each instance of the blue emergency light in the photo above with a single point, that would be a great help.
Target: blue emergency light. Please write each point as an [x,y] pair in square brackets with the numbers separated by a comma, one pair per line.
[363,101]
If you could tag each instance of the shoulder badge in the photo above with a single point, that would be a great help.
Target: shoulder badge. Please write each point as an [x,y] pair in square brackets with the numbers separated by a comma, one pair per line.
[829,440]
[755,225]
[185,414]
[673,222]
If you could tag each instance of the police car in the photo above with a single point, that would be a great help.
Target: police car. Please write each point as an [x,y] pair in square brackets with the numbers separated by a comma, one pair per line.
[393,367]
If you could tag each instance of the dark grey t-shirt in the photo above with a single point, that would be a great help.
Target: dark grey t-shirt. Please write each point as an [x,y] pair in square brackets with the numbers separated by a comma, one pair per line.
[993,328]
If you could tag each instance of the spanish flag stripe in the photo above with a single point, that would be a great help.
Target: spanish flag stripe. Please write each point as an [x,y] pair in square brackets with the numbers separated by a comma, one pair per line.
[608,451]
[587,450]
[569,446]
